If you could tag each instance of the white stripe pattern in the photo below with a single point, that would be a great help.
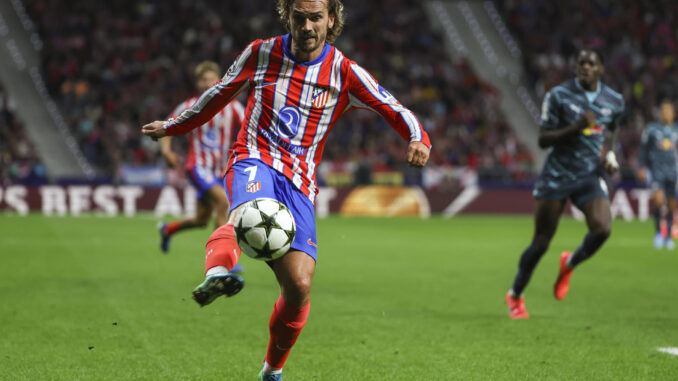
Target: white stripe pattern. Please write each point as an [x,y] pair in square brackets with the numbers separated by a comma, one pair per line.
[279,99]
[208,95]
[372,86]
[324,124]
[253,123]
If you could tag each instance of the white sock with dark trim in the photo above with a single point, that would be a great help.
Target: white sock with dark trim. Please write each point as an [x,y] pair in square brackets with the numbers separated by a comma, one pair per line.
[267,369]
[216,270]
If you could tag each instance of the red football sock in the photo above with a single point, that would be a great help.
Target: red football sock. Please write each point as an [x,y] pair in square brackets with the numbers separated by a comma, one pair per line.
[222,248]
[284,327]
[172,227]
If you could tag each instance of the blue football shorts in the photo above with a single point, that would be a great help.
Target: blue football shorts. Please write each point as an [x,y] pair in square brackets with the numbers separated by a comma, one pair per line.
[250,179]
[202,179]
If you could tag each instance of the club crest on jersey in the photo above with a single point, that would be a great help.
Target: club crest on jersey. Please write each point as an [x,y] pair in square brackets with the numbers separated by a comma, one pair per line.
[666,144]
[320,97]
[253,186]
[594,130]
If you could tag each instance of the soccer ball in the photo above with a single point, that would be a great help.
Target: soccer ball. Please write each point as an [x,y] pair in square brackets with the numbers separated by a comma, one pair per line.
[264,229]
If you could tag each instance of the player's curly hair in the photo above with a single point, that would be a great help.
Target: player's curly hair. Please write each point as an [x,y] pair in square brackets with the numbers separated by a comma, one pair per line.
[335,7]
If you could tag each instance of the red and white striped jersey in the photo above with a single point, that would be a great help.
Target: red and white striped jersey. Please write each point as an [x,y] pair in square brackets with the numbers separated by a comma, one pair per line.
[292,106]
[209,144]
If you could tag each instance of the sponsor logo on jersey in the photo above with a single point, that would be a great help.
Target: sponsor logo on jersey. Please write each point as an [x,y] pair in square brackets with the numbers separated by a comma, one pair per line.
[289,119]
[253,186]
[210,138]
[386,96]
[311,243]
[286,128]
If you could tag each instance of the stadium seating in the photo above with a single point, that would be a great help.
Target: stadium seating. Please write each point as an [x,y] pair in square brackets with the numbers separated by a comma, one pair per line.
[18,161]
[112,67]
[636,39]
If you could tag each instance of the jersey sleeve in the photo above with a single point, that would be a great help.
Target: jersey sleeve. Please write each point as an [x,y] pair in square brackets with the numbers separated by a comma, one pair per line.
[218,96]
[550,111]
[179,109]
[365,92]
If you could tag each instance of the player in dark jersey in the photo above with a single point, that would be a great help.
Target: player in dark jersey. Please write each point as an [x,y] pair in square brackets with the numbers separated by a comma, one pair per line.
[658,161]
[578,122]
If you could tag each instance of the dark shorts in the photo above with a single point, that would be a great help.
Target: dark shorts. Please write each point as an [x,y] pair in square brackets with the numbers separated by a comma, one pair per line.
[250,179]
[202,179]
[667,185]
[579,191]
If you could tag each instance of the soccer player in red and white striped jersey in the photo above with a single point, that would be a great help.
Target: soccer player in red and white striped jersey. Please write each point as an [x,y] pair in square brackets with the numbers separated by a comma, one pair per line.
[297,86]
[206,161]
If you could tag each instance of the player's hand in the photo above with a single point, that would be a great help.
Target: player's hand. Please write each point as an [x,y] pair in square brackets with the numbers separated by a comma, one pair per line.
[587,120]
[611,164]
[155,130]
[171,159]
[417,154]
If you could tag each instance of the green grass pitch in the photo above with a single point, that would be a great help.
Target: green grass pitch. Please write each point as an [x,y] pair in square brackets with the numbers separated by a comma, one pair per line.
[93,298]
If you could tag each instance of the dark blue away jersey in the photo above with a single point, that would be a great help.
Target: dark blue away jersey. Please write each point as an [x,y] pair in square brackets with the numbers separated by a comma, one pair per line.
[579,155]
[658,150]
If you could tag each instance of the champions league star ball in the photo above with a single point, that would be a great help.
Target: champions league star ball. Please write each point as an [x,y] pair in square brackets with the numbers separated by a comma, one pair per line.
[264,229]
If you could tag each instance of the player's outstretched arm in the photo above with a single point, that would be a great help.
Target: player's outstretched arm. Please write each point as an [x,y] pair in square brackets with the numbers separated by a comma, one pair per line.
[236,79]
[366,93]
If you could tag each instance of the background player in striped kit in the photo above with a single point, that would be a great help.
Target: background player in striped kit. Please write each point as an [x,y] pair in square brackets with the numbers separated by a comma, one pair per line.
[579,121]
[298,85]
[658,159]
[206,161]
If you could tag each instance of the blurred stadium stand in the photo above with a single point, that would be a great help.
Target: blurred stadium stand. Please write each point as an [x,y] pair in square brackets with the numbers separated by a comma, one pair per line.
[18,160]
[637,39]
[112,66]
[20,73]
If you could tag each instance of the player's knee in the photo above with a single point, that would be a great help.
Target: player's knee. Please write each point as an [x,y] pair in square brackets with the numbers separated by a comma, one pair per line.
[298,291]
[601,232]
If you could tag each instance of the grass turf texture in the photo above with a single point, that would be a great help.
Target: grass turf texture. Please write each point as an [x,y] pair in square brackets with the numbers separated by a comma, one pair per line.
[400,299]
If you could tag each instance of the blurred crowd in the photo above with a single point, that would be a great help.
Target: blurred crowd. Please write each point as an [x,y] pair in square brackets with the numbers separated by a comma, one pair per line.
[638,41]
[18,161]
[114,65]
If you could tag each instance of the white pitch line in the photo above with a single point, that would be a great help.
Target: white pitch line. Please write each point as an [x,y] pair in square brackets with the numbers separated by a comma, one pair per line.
[669,350]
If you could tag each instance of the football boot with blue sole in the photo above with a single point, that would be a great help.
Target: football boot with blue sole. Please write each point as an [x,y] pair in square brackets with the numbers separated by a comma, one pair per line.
[269,377]
[216,285]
